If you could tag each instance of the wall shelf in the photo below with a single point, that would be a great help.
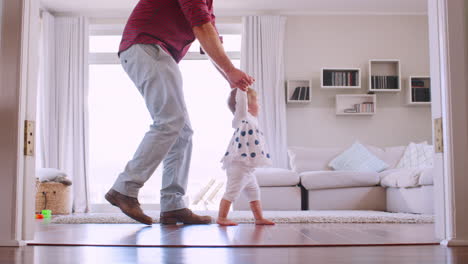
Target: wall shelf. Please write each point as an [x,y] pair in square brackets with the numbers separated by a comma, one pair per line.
[363,104]
[384,75]
[419,90]
[298,91]
[340,78]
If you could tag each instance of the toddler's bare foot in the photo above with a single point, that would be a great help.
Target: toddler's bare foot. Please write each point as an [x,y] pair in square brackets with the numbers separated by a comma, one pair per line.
[263,221]
[225,222]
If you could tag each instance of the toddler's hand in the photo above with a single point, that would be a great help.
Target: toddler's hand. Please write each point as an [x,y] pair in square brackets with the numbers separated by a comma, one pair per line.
[239,79]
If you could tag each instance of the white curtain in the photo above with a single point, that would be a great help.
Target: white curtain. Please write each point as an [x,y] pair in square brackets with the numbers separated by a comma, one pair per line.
[263,58]
[62,100]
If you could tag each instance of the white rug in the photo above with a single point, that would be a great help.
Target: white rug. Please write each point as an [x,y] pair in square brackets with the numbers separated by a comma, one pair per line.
[276,216]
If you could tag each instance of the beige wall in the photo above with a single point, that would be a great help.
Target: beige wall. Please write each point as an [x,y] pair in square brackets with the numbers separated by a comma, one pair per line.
[9,109]
[313,42]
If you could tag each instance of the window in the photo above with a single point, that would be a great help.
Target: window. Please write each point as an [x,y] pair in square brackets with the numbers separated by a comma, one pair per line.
[118,117]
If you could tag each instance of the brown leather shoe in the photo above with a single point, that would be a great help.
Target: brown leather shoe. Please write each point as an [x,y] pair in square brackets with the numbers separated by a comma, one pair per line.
[185,216]
[129,206]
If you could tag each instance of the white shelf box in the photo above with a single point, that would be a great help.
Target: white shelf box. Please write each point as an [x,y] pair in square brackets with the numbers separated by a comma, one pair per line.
[364,104]
[384,75]
[340,78]
[419,90]
[298,91]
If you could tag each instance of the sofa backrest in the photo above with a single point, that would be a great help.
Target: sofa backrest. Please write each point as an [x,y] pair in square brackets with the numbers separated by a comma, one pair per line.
[303,159]
[393,155]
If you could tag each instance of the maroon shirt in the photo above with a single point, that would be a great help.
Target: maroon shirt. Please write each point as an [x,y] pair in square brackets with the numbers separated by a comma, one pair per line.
[167,23]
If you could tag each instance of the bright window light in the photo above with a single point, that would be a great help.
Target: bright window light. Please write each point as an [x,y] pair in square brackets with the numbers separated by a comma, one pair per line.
[104,44]
[118,120]
[206,93]
[230,43]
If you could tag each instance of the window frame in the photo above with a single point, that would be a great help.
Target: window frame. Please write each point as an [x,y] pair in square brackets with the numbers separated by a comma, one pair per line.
[97,58]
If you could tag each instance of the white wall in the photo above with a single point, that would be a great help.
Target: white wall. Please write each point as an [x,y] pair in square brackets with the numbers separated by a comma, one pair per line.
[313,42]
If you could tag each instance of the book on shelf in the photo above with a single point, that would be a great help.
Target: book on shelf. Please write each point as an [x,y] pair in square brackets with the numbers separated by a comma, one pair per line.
[327,78]
[384,82]
[302,93]
[368,107]
[421,95]
[295,95]
[364,107]
[340,78]
[417,82]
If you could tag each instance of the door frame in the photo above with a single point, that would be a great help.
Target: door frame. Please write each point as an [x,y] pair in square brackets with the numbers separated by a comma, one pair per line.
[29,64]
[448,28]
[448,222]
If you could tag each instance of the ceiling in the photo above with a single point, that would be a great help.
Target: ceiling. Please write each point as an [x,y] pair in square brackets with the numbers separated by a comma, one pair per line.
[241,7]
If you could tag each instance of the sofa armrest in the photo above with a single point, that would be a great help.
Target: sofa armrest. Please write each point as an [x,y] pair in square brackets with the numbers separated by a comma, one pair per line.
[271,177]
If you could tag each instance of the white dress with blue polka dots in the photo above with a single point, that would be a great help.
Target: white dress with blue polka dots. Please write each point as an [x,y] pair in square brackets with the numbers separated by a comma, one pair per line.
[248,144]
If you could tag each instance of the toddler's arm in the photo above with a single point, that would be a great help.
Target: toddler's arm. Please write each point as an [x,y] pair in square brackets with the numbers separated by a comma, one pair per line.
[241,104]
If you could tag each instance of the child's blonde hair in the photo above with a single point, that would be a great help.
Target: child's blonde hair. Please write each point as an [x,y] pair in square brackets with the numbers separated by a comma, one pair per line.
[251,97]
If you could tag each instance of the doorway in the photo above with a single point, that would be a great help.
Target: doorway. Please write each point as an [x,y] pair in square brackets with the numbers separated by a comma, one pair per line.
[443,157]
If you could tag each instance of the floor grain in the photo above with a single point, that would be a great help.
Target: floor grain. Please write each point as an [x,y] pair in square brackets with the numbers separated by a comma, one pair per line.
[235,236]
[142,255]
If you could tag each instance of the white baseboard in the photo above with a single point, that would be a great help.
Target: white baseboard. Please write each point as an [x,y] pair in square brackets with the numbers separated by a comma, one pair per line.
[454,242]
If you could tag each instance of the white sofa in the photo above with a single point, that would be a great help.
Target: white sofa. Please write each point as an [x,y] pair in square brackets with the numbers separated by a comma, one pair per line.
[280,191]
[346,190]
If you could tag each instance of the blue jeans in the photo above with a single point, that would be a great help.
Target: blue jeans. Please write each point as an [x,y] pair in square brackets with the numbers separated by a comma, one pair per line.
[158,78]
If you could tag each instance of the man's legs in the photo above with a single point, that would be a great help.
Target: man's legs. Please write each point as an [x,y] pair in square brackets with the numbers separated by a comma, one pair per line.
[158,79]
[175,171]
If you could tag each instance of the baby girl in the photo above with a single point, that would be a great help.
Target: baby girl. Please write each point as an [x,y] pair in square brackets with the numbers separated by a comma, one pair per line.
[246,151]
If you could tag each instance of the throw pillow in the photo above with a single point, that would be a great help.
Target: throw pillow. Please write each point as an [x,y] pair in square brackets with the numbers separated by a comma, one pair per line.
[417,156]
[51,174]
[358,158]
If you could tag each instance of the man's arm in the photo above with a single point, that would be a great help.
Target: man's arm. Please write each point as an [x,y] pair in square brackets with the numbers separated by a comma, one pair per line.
[209,40]
[220,71]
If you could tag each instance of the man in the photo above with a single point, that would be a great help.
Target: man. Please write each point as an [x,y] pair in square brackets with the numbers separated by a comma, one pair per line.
[157,36]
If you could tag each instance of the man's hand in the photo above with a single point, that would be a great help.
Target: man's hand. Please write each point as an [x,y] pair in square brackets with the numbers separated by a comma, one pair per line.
[209,40]
[239,79]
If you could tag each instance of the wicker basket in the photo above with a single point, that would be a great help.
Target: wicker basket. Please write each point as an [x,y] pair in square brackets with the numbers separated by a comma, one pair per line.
[53,196]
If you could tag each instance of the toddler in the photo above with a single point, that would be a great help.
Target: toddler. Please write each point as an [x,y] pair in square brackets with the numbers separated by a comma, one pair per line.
[246,151]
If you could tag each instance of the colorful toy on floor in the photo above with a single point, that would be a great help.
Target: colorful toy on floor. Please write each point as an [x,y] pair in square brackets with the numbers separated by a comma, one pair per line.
[39,216]
[46,213]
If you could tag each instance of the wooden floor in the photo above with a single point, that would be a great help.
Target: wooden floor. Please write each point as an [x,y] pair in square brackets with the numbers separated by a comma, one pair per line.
[320,255]
[236,236]
[307,243]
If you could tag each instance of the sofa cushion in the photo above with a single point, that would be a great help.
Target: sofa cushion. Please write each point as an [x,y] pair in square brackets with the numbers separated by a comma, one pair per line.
[311,159]
[358,158]
[304,159]
[269,177]
[315,180]
[417,156]
[406,177]
[427,177]
[400,177]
